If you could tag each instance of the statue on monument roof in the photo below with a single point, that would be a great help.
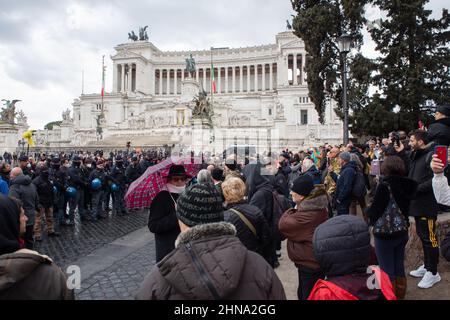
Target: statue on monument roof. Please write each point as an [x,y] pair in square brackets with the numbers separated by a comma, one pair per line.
[132,36]
[143,36]
[190,65]
[8,114]
[288,25]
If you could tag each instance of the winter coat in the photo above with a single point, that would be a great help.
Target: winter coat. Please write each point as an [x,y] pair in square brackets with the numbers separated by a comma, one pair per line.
[315,174]
[298,225]
[163,222]
[403,190]
[27,275]
[132,173]
[45,191]
[210,262]
[102,176]
[59,179]
[445,247]
[77,179]
[256,218]
[345,182]
[424,203]
[5,177]
[4,189]
[143,165]
[22,189]
[342,248]
[259,190]
[118,176]
[439,132]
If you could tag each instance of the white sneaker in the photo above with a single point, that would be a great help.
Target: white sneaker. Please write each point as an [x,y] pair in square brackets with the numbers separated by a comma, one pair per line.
[419,272]
[429,280]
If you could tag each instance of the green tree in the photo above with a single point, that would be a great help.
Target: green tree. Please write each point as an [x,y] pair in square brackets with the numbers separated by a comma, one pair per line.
[49,126]
[319,23]
[413,71]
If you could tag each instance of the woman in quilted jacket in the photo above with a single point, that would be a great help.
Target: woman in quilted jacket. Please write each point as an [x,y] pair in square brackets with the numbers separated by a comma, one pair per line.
[391,250]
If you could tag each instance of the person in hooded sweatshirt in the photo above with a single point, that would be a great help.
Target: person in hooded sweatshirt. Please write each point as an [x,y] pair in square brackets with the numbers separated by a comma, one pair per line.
[390,250]
[209,261]
[25,274]
[259,194]
[299,224]
[162,220]
[342,248]
[23,189]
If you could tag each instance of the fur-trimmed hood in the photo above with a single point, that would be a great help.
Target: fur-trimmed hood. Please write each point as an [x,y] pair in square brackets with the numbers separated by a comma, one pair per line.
[206,256]
[206,231]
[316,201]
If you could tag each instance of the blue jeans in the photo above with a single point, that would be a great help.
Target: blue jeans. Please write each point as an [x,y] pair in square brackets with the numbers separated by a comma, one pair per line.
[391,255]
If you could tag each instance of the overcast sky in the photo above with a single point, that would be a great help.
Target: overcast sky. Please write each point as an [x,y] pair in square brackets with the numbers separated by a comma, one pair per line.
[45,44]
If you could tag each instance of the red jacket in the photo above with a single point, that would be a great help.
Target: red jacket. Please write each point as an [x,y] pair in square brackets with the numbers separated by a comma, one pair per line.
[327,290]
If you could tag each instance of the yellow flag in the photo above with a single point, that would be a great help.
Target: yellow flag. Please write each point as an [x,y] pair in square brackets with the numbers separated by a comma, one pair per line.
[28,135]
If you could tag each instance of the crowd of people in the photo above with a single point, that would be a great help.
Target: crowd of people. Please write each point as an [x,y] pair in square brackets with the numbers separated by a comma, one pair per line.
[218,235]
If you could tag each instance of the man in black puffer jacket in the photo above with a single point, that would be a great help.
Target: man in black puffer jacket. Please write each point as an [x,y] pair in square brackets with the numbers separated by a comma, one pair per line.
[424,208]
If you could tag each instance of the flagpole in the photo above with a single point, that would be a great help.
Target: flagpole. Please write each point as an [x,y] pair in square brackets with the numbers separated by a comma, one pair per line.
[211,75]
[82,82]
[103,81]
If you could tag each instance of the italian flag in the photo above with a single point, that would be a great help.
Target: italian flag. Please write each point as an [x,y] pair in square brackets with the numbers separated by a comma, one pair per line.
[213,80]
[103,81]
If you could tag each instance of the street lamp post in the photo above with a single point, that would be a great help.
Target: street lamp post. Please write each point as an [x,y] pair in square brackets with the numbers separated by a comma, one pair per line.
[344,43]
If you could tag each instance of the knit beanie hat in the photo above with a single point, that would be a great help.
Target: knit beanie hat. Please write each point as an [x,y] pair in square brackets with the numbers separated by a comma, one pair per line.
[303,185]
[200,204]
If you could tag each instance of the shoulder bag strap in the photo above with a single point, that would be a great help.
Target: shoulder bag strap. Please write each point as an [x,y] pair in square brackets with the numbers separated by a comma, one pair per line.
[246,221]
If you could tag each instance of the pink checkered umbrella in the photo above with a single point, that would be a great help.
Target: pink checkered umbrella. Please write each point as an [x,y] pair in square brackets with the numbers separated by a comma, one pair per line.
[141,192]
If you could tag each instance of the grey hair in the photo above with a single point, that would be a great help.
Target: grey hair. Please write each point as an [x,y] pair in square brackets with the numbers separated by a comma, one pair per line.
[204,176]
[354,157]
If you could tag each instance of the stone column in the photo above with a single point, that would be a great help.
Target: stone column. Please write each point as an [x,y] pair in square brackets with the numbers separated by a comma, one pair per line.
[256,78]
[160,81]
[263,76]
[241,79]
[182,74]
[233,80]
[226,79]
[294,71]
[168,82]
[204,79]
[248,78]
[130,76]
[197,75]
[124,77]
[271,76]
[175,78]
[219,80]
[302,71]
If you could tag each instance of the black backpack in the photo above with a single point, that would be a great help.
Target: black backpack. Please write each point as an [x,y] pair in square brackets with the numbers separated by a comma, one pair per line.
[359,185]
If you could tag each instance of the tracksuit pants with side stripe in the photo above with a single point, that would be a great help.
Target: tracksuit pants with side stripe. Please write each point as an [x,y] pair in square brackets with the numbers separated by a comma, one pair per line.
[426,230]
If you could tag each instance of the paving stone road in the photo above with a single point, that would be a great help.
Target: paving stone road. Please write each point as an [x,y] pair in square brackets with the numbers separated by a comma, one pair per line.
[113,254]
